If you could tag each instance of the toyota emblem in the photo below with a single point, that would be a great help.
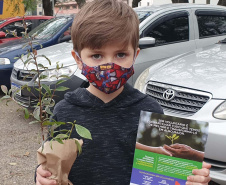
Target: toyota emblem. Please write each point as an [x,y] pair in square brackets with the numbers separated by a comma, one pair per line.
[168,95]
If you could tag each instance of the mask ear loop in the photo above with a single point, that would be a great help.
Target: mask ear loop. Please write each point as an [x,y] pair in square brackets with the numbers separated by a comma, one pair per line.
[77,54]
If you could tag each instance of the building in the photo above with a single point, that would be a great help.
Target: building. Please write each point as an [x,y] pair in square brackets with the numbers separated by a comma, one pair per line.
[159,2]
[66,7]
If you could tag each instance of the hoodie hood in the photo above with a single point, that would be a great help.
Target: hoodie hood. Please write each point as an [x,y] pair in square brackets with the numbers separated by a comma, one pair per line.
[83,98]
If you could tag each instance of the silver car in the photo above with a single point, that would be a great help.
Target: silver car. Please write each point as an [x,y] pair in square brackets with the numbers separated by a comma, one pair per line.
[192,86]
[165,31]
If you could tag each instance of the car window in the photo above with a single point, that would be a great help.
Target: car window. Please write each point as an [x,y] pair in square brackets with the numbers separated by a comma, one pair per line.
[210,25]
[168,31]
[49,28]
[66,36]
[14,26]
[142,15]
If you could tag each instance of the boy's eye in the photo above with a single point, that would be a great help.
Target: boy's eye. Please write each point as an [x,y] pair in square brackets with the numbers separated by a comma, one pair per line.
[121,55]
[96,56]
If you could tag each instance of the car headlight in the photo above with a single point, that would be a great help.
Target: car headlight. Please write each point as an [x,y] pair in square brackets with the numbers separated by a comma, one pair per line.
[220,111]
[54,74]
[140,82]
[4,61]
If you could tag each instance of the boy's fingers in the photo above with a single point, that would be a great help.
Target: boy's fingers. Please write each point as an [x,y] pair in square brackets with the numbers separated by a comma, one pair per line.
[203,172]
[44,181]
[43,173]
[206,165]
[198,180]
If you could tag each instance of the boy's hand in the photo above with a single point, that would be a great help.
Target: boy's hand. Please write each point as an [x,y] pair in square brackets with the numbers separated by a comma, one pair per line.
[41,177]
[201,176]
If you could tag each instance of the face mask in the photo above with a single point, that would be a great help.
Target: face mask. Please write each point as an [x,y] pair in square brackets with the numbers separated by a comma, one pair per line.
[107,77]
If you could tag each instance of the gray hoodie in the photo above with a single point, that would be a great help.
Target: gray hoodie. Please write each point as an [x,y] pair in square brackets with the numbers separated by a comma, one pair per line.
[106,159]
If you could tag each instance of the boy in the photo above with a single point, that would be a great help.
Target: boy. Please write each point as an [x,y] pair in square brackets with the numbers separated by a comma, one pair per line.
[105,36]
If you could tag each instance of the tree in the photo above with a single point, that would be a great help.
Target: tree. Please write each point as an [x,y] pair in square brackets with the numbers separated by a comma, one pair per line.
[31,5]
[135,3]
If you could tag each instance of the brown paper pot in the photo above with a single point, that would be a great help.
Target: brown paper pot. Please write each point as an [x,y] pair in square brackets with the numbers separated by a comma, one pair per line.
[59,159]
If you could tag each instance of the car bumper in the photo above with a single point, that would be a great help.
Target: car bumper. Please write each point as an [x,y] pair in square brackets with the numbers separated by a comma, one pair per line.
[29,98]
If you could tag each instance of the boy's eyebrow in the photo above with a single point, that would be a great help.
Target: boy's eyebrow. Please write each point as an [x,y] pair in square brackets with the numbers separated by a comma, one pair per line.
[101,51]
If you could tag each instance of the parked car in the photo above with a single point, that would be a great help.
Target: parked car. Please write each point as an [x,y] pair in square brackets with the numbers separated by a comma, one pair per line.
[50,32]
[16,24]
[192,86]
[165,31]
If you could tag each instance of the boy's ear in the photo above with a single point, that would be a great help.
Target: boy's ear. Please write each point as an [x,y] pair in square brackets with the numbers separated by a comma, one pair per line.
[138,51]
[77,59]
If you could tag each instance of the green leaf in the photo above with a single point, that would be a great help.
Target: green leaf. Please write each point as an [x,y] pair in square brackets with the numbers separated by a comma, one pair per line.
[26,113]
[43,77]
[16,58]
[4,89]
[5,97]
[174,135]
[60,81]
[62,136]
[79,147]
[42,66]
[83,132]
[26,61]
[47,88]
[47,109]
[51,144]
[59,140]
[61,88]
[36,113]
[45,123]
[45,58]
[64,76]
[60,123]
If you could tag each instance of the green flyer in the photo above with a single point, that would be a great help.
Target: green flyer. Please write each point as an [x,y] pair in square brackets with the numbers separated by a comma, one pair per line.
[167,149]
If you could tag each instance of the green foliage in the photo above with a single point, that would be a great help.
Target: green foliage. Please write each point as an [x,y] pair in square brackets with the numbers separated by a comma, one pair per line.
[29,5]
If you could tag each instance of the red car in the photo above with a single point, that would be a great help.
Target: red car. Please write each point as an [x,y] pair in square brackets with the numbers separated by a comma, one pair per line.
[16,24]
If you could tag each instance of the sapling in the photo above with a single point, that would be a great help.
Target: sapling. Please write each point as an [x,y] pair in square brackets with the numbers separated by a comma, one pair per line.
[173,138]
[44,95]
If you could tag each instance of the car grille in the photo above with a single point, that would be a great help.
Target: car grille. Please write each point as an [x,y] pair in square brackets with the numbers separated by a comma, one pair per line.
[177,100]
[23,75]
[25,101]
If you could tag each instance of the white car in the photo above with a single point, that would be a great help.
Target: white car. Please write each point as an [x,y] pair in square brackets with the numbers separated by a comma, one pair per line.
[193,86]
[165,31]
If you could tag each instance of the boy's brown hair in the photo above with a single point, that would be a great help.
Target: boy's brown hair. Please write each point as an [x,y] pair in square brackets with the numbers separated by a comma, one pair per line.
[101,22]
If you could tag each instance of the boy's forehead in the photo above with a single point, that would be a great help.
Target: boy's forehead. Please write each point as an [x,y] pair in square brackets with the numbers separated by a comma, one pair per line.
[113,45]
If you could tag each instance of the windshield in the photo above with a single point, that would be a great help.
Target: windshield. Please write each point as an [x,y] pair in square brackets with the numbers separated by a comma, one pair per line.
[49,28]
[142,15]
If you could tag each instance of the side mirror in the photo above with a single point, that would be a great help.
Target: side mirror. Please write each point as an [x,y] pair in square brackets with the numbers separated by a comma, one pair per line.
[146,42]
[65,38]
[2,34]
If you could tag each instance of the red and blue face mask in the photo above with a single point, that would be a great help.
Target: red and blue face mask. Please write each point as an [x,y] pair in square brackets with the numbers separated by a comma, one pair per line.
[107,77]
